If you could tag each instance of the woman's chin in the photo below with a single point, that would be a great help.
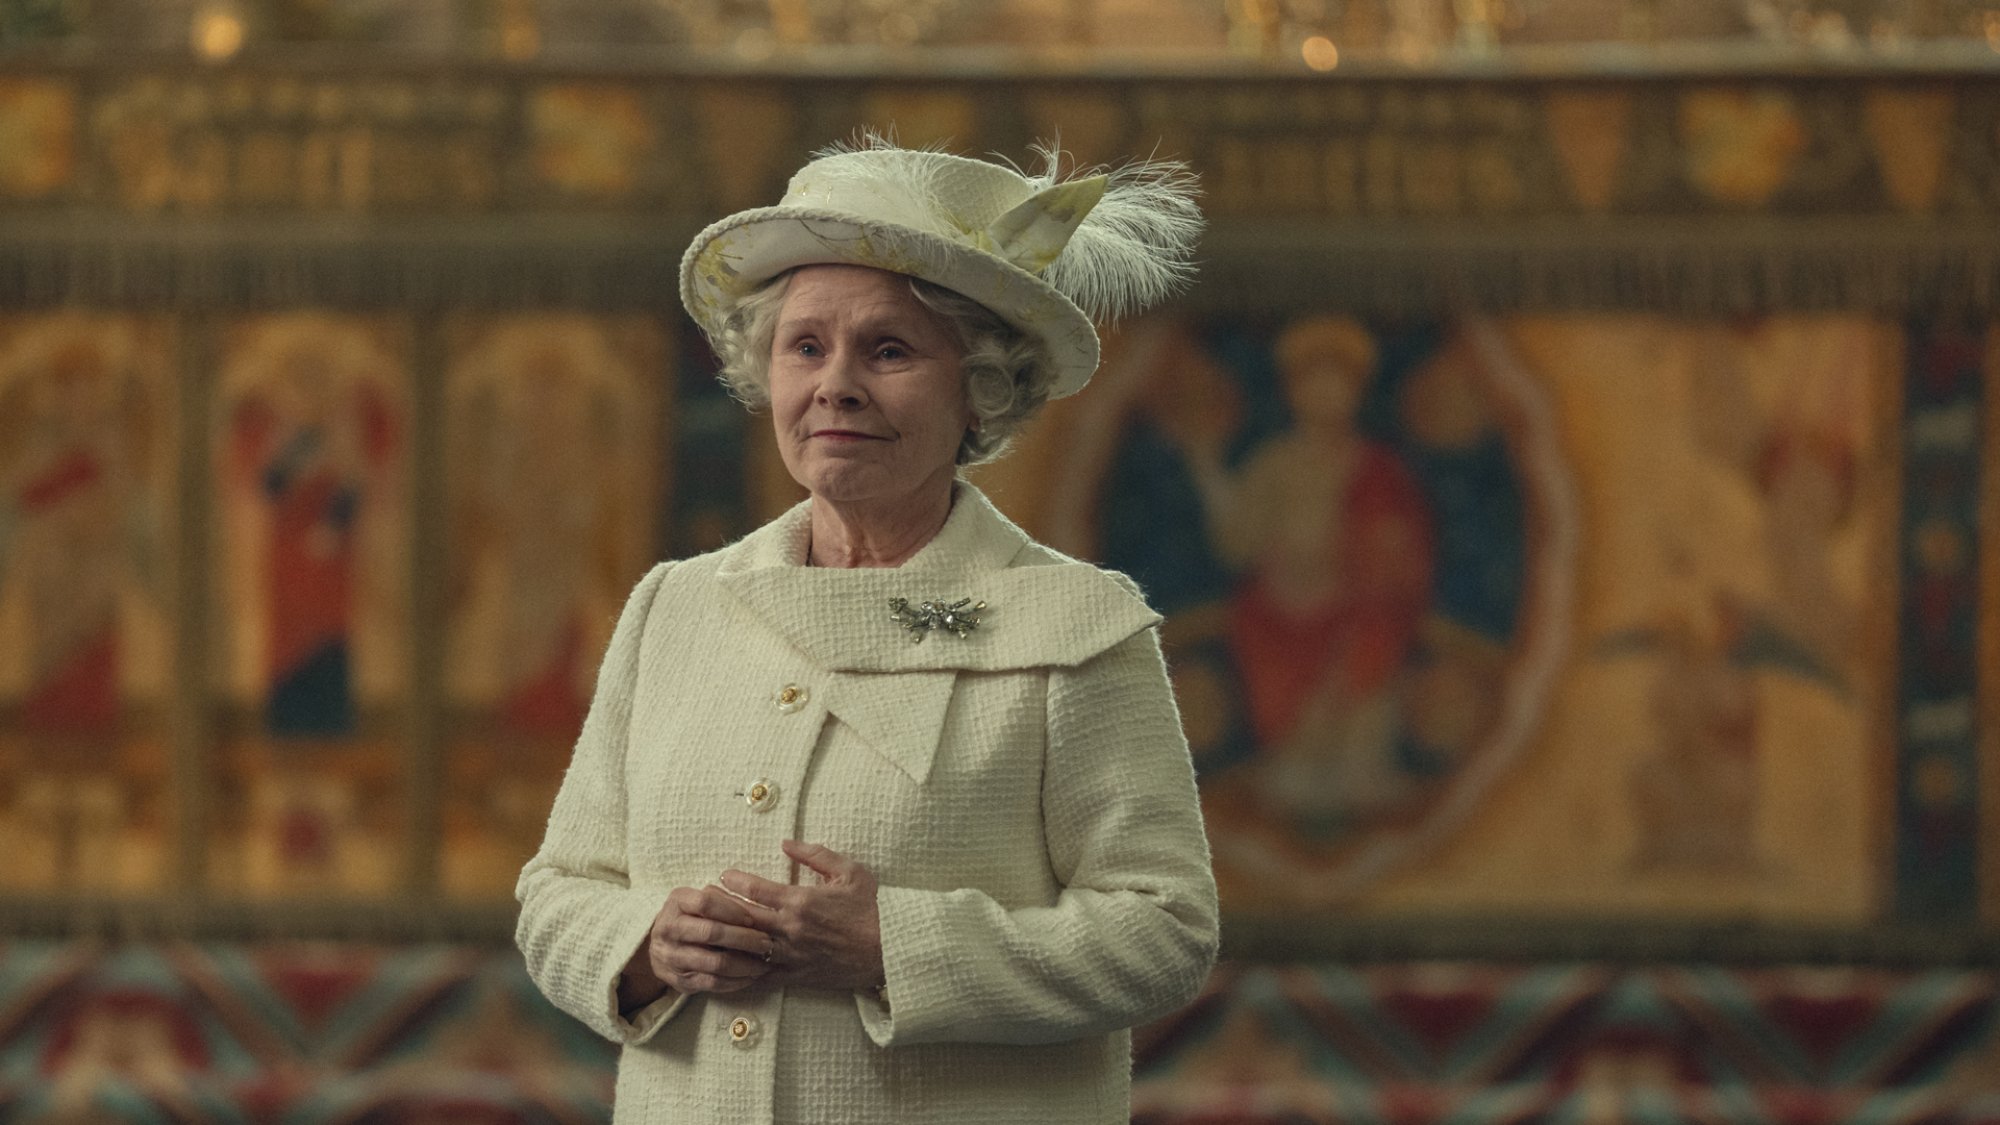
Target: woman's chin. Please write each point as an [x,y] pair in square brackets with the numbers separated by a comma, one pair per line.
[874,490]
[851,484]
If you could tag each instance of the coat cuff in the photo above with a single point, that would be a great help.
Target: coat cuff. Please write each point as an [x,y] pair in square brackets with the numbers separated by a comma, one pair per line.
[642,1025]
[878,1019]
[918,969]
[630,933]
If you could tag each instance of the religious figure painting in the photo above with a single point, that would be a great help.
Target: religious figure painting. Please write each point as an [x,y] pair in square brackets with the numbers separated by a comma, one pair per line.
[554,491]
[1359,536]
[1718,746]
[1560,613]
[311,448]
[86,455]
[1799,456]
[1758,666]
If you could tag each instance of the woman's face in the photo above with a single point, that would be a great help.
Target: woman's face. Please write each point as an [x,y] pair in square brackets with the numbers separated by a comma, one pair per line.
[1323,392]
[867,393]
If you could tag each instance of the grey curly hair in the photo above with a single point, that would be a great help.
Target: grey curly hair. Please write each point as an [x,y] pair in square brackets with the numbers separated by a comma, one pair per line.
[1007,375]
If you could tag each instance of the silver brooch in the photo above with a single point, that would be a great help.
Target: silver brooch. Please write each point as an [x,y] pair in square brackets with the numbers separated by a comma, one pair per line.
[922,619]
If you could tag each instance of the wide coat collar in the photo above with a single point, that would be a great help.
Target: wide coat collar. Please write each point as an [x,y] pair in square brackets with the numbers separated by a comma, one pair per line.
[1042,610]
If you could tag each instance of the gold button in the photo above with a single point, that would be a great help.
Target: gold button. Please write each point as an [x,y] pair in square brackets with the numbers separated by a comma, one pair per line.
[761,795]
[791,697]
[743,1031]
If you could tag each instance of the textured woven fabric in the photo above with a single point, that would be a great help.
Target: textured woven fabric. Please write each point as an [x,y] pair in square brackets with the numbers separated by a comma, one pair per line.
[1023,794]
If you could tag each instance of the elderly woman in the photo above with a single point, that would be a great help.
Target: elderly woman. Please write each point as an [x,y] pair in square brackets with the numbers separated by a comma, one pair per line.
[883,813]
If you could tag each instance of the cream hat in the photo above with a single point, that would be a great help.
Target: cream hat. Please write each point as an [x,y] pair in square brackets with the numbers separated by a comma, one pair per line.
[1046,255]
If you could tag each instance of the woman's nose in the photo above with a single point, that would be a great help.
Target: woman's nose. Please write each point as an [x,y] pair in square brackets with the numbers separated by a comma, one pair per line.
[840,384]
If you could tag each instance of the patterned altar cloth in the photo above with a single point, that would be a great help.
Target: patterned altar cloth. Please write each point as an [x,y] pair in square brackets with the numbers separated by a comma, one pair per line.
[311,1033]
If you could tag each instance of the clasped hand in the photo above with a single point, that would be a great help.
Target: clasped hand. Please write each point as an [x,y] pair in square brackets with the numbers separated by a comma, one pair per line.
[750,933]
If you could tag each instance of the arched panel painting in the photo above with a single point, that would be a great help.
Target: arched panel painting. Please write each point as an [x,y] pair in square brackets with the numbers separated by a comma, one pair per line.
[86,485]
[311,479]
[1362,537]
[554,495]
[1548,614]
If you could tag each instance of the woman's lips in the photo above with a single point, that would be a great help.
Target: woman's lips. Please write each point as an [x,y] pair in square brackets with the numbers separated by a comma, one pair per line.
[847,435]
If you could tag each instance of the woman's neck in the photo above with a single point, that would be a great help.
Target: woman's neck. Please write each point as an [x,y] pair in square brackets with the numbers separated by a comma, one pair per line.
[871,535]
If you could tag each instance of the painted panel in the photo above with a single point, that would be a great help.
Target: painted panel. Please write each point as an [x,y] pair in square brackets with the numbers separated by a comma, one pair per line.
[1558,615]
[1364,625]
[1716,748]
[87,525]
[311,477]
[553,427]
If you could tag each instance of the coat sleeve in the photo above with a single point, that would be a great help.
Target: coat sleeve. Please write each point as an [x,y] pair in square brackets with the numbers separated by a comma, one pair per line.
[580,920]
[1131,936]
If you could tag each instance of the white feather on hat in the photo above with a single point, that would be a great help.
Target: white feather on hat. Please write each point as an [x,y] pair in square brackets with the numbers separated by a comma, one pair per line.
[1135,248]
[1044,252]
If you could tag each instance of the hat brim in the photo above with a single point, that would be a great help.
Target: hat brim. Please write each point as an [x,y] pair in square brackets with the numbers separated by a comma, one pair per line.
[733,257]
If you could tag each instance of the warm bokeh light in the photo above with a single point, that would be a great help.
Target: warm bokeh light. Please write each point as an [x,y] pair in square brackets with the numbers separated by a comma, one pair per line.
[1320,53]
[520,41]
[218,32]
[756,44]
[1422,33]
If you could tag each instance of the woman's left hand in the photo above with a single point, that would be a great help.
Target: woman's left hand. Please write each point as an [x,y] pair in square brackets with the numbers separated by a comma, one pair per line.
[824,936]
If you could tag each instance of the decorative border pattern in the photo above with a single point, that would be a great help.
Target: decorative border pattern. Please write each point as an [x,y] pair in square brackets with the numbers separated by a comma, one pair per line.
[258,139]
[362,184]
[349,1033]
[1937,783]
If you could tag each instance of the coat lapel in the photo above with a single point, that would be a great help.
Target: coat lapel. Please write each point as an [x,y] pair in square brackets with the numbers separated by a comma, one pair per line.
[1043,610]
[1053,612]
[901,716]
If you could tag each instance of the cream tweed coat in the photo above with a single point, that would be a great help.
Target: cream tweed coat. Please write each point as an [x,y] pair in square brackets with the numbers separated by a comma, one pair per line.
[1024,796]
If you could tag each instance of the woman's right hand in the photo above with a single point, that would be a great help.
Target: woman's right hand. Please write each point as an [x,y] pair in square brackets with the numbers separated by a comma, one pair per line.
[702,940]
